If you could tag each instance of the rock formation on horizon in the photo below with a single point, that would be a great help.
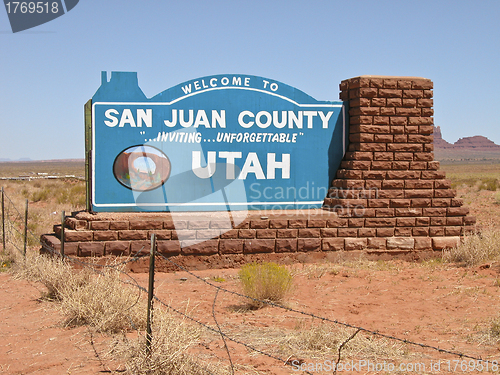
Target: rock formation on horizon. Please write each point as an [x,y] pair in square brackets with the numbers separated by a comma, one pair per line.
[477,142]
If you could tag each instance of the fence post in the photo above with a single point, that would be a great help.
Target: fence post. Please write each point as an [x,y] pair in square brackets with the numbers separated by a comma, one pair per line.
[63,216]
[149,334]
[3,220]
[25,228]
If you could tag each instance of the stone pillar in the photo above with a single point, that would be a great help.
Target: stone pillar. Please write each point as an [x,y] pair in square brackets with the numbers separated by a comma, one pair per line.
[389,184]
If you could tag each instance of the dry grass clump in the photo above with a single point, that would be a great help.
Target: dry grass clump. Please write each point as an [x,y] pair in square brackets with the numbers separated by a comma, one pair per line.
[57,276]
[475,249]
[105,303]
[171,341]
[100,300]
[323,341]
[265,281]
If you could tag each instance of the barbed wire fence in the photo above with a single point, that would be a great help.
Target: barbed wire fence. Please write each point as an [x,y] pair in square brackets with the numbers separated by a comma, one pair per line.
[15,231]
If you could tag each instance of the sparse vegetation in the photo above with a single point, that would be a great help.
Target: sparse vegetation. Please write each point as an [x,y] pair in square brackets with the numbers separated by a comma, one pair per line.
[172,339]
[476,249]
[265,281]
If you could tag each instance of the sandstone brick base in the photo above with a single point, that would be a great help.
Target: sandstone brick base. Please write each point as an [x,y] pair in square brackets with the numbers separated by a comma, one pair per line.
[293,235]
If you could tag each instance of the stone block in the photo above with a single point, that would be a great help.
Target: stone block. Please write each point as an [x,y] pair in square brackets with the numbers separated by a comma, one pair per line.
[355,243]
[356,222]
[117,248]
[436,231]
[99,225]
[230,234]
[408,212]
[384,212]
[247,233]
[259,246]
[220,224]
[259,224]
[405,147]
[379,222]
[367,232]
[442,243]
[402,232]
[168,247]
[442,184]
[439,220]
[130,235]
[452,231]
[179,224]
[457,211]
[393,184]
[309,244]
[309,233]
[316,223]
[198,224]
[455,220]
[140,247]
[419,193]
[394,102]
[190,247]
[297,223]
[329,232]
[390,93]
[419,184]
[286,245]
[119,225]
[377,243]
[231,246]
[161,234]
[146,224]
[423,243]
[444,193]
[420,231]
[441,202]
[287,233]
[385,232]
[184,235]
[422,221]
[400,203]
[205,234]
[434,211]
[405,221]
[90,249]
[347,232]
[400,243]
[267,233]
[107,235]
[77,236]
[332,244]
[278,223]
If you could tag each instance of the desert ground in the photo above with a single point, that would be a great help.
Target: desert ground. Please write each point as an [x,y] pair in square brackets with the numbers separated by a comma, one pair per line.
[439,304]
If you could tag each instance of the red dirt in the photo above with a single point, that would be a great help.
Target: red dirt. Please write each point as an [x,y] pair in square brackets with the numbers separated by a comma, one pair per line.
[438,305]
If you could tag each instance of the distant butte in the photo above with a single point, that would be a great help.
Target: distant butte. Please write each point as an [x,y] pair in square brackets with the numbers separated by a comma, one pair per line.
[477,142]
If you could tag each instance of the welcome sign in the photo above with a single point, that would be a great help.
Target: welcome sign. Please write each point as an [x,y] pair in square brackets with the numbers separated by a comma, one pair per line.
[223,142]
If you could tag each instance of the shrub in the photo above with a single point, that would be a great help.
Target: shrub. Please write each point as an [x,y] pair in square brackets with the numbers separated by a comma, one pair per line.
[172,339]
[497,197]
[100,300]
[105,303]
[266,281]
[490,184]
[475,249]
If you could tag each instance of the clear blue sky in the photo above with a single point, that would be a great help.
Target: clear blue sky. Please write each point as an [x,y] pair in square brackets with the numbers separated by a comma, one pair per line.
[50,71]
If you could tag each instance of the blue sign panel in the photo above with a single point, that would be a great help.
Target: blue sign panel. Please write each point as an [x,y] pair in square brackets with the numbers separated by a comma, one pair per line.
[223,142]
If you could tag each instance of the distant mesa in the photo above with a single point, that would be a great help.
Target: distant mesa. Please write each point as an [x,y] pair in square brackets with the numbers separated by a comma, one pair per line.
[21,159]
[477,142]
